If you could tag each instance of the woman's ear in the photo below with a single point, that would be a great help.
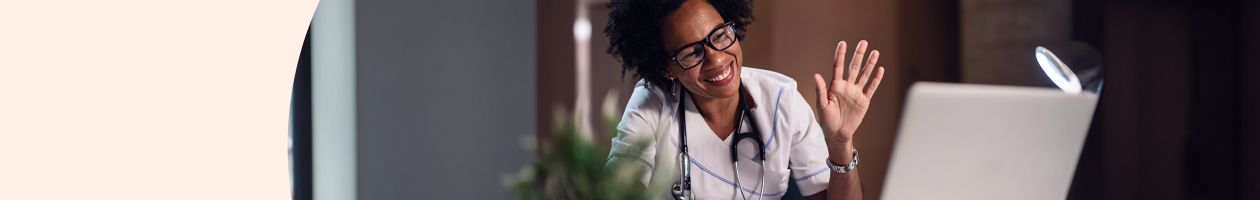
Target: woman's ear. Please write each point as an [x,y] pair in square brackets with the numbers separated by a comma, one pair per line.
[667,74]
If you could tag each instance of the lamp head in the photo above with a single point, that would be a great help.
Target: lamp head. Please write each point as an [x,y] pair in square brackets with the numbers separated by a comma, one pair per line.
[1058,72]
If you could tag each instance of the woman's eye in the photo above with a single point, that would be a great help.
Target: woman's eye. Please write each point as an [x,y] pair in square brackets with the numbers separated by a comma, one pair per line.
[694,54]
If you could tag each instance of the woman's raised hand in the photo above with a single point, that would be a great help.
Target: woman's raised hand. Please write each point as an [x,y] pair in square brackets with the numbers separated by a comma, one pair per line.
[843,103]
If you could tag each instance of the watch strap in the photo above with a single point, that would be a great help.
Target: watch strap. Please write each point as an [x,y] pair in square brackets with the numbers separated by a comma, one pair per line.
[845,168]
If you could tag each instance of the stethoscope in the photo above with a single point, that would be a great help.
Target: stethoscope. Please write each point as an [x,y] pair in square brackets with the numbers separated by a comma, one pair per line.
[682,189]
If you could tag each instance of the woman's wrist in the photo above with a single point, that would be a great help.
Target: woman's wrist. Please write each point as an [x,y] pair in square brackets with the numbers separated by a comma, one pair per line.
[840,151]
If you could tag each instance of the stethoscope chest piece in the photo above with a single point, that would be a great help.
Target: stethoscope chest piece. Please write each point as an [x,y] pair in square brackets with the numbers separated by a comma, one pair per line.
[678,191]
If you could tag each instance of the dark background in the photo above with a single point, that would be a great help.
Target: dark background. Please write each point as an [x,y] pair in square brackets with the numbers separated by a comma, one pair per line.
[1179,117]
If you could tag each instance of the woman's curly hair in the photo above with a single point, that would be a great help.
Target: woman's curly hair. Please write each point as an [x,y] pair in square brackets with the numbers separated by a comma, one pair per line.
[634,33]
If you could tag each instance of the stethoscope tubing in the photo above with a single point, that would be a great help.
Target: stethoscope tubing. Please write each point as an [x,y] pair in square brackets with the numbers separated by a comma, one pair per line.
[682,189]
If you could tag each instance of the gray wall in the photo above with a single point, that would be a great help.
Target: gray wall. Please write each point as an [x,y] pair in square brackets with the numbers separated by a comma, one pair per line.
[445,89]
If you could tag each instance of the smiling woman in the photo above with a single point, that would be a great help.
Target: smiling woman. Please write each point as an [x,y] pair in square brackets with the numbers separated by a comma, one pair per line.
[640,53]
[689,56]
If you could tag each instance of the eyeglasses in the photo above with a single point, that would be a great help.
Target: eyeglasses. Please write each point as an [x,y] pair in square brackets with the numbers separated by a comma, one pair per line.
[719,39]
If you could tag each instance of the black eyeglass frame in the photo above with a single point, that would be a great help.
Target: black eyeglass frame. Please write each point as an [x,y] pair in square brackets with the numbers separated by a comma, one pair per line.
[706,42]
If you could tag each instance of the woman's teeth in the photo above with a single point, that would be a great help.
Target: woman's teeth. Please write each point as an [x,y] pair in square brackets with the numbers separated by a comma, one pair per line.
[725,73]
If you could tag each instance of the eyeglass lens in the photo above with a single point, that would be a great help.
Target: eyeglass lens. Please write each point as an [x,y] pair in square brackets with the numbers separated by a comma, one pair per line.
[720,39]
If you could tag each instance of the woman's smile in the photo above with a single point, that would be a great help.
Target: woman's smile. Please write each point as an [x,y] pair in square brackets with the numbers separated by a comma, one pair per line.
[723,76]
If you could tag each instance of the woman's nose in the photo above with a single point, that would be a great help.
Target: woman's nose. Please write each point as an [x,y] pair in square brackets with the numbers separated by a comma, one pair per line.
[714,57]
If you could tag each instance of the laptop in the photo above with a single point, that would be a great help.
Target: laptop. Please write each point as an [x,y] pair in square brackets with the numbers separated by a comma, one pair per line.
[971,141]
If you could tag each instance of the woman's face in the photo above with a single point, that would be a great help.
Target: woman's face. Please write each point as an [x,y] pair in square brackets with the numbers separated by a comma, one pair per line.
[717,75]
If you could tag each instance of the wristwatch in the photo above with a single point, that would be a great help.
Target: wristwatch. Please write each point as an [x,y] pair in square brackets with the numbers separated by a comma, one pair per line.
[844,168]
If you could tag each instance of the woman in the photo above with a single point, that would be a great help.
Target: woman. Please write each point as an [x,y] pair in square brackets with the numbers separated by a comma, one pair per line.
[689,56]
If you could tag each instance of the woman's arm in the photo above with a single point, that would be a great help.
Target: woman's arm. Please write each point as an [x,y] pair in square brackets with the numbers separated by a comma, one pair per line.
[635,143]
[841,107]
[842,186]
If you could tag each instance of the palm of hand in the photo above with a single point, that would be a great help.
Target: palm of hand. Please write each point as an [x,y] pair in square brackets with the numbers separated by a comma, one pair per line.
[843,105]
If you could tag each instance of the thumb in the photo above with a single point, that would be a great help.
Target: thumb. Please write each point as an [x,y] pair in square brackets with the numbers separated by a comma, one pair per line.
[821,88]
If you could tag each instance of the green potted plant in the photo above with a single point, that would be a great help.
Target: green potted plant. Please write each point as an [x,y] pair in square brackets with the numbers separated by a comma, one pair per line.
[572,166]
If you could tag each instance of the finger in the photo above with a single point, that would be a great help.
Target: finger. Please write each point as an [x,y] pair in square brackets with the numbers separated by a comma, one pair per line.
[837,69]
[879,76]
[857,60]
[822,89]
[866,70]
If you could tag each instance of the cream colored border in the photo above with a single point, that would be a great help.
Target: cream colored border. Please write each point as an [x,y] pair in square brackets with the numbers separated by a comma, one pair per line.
[147,99]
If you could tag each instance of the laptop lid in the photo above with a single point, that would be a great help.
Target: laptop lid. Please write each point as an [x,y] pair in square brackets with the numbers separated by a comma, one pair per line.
[970,141]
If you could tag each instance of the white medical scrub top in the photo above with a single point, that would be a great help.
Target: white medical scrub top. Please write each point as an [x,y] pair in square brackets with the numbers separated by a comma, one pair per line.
[794,141]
